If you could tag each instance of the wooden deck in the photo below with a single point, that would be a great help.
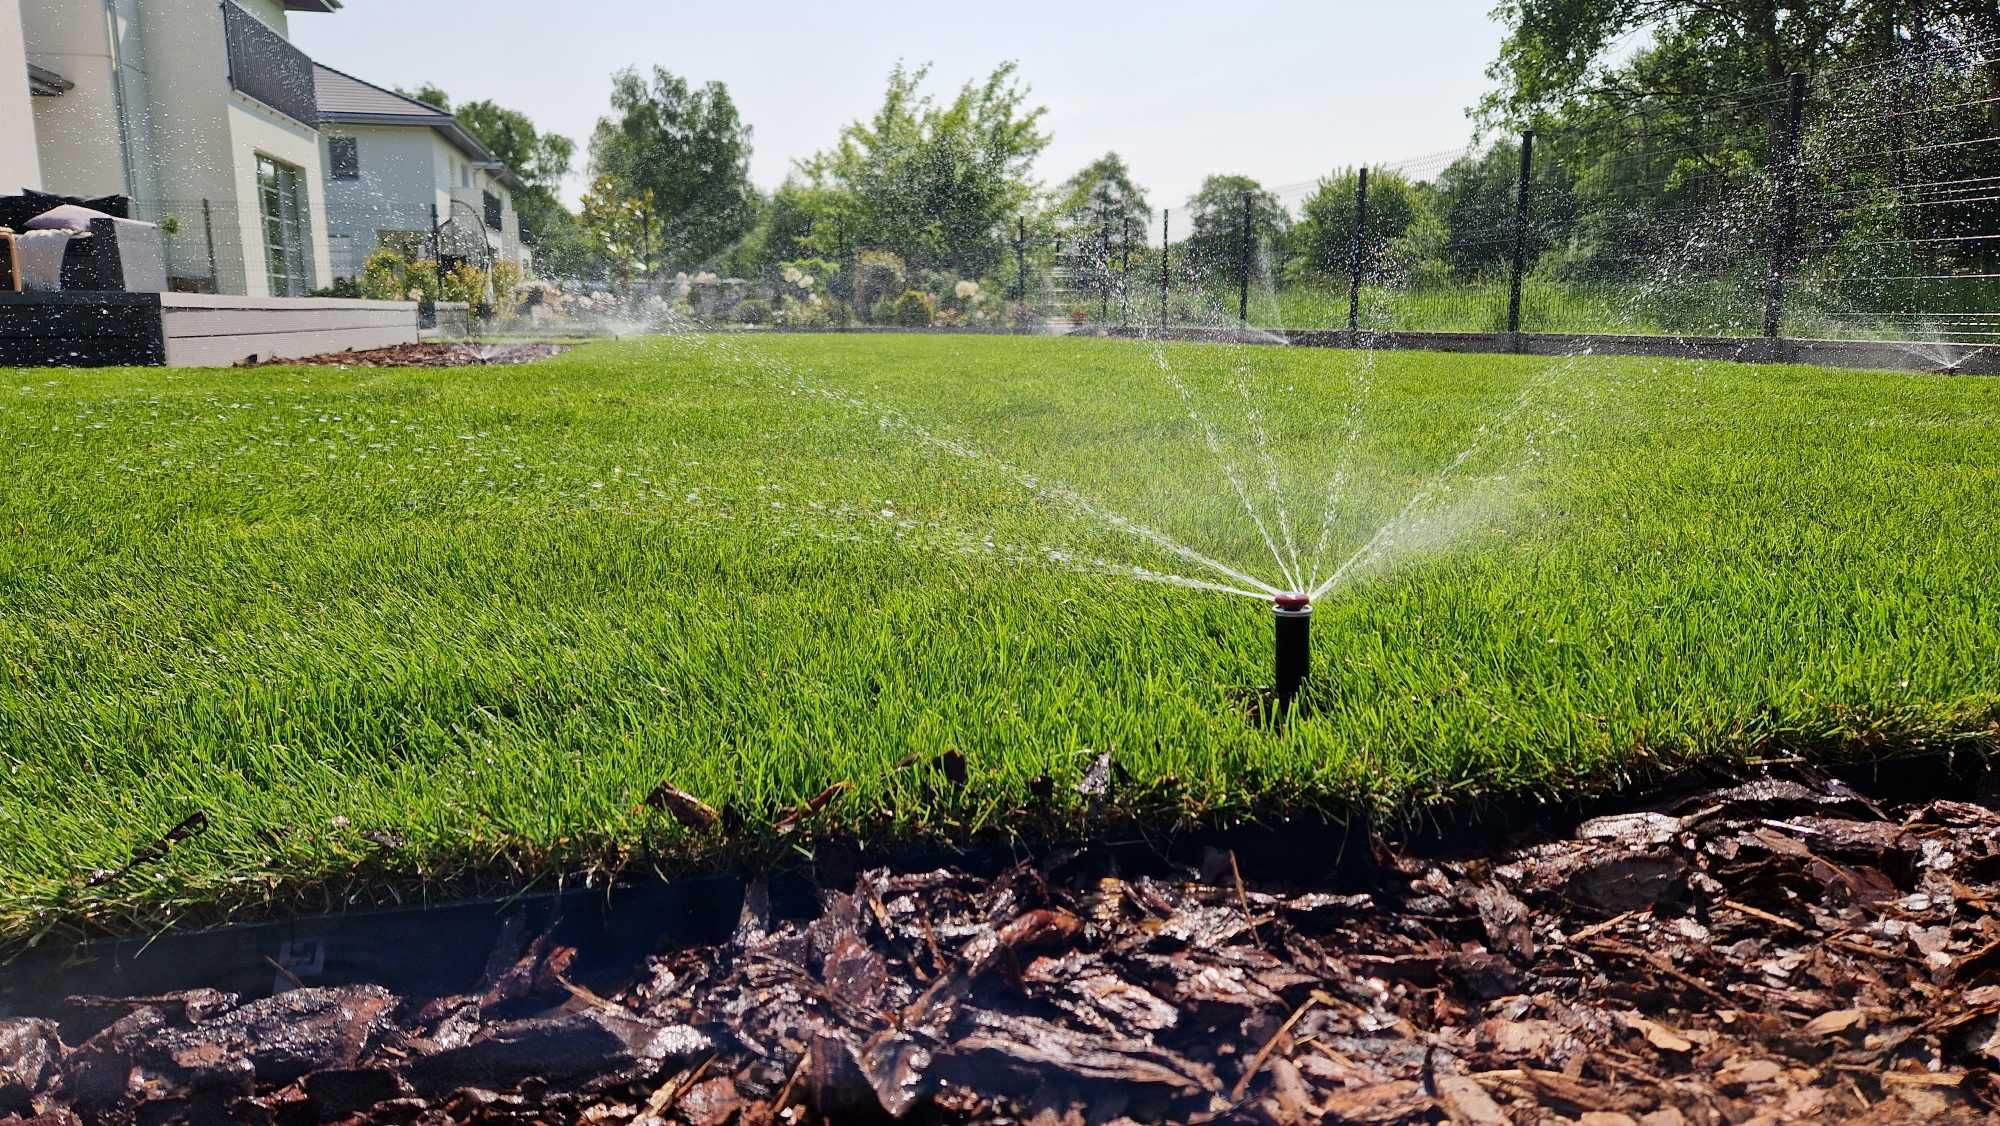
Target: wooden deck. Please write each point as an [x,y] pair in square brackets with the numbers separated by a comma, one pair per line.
[190,329]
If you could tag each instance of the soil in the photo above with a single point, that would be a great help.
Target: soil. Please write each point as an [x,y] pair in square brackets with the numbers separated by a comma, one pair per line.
[426,356]
[1785,948]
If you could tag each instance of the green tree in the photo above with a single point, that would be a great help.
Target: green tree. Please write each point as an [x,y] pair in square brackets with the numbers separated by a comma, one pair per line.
[687,152]
[1559,53]
[798,221]
[620,228]
[1324,236]
[1477,197]
[1104,186]
[1216,217]
[935,183]
[430,94]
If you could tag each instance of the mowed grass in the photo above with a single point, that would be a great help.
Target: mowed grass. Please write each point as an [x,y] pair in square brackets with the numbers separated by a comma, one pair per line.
[402,630]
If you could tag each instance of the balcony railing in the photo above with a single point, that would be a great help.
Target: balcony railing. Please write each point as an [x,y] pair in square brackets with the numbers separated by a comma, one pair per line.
[265,65]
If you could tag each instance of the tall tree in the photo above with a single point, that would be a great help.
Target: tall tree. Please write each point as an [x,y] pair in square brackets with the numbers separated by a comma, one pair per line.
[1324,237]
[431,94]
[936,183]
[1558,51]
[1104,186]
[687,152]
[620,229]
[1216,218]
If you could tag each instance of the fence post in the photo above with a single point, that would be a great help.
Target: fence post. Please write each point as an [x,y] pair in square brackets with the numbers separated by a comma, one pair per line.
[1021,258]
[208,229]
[1166,221]
[1125,272]
[1243,266]
[1356,252]
[1784,246]
[1521,201]
[1104,271]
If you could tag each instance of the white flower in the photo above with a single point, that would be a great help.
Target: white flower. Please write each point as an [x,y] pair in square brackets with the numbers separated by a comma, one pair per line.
[792,274]
[967,290]
[805,281]
[416,294]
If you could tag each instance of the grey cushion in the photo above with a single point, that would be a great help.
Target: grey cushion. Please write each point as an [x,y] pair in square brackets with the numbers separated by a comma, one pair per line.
[67,217]
[120,255]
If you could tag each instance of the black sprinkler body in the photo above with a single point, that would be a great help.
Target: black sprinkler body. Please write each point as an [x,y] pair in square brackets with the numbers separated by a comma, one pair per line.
[1293,613]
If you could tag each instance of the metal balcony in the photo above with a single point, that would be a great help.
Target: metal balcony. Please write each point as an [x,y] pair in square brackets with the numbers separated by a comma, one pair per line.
[265,66]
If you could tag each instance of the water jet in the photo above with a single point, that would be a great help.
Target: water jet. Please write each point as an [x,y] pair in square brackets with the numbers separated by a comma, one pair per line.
[1292,618]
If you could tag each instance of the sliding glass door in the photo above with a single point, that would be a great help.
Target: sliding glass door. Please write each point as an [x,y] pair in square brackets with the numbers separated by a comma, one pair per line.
[281,199]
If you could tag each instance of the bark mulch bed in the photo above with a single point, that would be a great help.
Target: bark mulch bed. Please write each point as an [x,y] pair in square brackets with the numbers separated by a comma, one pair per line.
[426,356]
[1785,949]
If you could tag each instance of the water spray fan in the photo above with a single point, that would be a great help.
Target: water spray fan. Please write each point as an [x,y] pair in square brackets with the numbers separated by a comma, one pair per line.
[1292,614]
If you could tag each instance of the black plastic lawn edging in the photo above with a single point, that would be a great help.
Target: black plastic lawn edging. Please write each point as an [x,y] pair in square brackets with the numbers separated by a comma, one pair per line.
[1872,355]
[450,948]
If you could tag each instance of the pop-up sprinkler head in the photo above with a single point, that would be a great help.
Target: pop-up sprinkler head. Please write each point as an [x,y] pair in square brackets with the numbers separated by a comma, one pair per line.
[1293,613]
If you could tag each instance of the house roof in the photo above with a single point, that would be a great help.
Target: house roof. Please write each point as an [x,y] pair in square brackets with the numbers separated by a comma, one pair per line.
[345,98]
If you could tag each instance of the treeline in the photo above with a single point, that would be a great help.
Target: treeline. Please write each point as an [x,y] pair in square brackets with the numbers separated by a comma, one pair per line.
[1669,154]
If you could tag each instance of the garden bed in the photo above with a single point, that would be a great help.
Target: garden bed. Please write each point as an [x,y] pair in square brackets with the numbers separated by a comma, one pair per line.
[1789,945]
[427,355]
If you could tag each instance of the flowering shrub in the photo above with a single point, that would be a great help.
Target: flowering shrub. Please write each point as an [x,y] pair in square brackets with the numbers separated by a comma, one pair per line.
[913,309]
[383,276]
[466,283]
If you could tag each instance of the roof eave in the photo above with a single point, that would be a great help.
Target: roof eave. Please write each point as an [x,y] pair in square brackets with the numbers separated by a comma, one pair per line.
[312,5]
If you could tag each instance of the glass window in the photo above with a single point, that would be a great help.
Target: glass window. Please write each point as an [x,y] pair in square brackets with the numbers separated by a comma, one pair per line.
[281,202]
[344,157]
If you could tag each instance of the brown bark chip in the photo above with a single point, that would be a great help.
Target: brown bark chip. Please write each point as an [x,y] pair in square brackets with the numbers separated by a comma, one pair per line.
[1779,951]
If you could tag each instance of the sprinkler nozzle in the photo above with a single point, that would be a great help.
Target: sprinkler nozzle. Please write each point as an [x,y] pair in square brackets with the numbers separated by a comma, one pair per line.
[1293,619]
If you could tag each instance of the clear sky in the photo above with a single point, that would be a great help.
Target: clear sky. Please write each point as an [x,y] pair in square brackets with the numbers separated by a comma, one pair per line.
[1281,90]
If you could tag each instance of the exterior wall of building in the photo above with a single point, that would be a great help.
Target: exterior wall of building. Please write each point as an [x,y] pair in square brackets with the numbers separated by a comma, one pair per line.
[190,140]
[77,134]
[20,162]
[394,192]
[506,241]
[255,130]
[406,170]
[190,87]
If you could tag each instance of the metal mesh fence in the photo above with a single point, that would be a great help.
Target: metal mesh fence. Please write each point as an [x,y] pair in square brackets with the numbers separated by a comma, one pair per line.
[1863,204]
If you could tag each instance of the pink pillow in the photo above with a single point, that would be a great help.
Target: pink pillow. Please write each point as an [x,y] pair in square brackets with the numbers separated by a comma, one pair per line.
[68,217]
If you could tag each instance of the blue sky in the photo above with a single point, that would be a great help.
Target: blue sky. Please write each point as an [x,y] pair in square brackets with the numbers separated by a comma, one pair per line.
[1282,90]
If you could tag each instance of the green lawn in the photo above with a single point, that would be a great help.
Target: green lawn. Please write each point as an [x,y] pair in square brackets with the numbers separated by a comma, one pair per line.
[450,627]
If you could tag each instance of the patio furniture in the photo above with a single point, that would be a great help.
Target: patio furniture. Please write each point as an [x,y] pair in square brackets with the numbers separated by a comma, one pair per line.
[10,263]
[17,210]
[120,255]
[72,243]
[38,257]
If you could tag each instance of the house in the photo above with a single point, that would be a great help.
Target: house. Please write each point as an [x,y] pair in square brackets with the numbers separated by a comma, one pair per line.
[400,172]
[202,112]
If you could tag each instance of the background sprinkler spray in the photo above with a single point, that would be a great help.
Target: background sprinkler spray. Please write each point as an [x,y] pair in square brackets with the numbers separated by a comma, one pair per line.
[1293,613]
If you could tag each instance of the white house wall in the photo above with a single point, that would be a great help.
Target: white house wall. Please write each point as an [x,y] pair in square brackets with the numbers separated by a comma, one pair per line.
[405,171]
[76,134]
[20,162]
[188,72]
[395,190]
[256,130]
